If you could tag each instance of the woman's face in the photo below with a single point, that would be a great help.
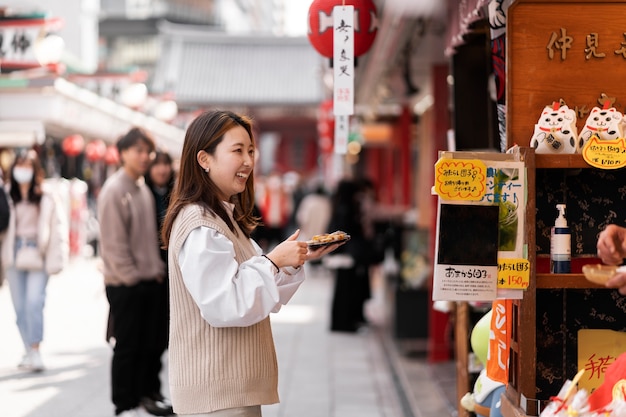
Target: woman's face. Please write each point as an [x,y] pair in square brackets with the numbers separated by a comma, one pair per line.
[232,163]
[23,171]
[160,173]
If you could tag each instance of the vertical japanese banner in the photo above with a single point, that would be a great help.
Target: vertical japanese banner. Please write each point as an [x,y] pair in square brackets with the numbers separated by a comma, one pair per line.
[342,130]
[497,366]
[343,71]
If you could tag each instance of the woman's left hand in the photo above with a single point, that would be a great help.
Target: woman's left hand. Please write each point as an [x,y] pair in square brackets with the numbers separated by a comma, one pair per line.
[318,252]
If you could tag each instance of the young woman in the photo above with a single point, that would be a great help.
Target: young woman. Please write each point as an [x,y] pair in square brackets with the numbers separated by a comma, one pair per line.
[35,246]
[222,360]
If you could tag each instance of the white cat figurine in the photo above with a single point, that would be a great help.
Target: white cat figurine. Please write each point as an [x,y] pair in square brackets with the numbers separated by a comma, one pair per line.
[555,131]
[606,123]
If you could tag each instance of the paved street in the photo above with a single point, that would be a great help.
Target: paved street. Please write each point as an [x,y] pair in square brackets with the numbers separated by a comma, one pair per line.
[322,374]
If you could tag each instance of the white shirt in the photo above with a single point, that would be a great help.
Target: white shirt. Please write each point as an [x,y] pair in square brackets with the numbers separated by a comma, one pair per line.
[229,294]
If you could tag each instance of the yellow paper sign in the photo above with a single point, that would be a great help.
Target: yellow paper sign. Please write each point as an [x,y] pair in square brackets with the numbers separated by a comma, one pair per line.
[460,179]
[513,273]
[597,349]
[605,154]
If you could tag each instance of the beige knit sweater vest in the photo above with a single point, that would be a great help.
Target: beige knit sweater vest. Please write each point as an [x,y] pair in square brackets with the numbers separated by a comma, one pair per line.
[213,368]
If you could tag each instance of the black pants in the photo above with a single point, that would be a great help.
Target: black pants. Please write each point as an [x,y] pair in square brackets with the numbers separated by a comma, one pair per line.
[136,364]
[352,289]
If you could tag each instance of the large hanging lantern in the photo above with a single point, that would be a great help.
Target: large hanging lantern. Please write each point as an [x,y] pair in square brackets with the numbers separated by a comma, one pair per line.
[95,150]
[73,145]
[111,156]
[320,30]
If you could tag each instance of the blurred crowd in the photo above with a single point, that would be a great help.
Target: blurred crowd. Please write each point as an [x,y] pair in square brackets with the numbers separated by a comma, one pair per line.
[33,206]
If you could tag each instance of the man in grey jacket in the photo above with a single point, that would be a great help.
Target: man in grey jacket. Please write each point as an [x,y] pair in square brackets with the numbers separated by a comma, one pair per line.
[132,269]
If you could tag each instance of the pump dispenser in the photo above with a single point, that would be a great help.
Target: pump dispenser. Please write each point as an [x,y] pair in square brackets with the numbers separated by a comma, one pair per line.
[560,244]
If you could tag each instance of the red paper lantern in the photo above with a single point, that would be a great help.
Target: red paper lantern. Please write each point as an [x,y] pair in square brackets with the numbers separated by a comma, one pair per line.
[73,145]
[320,30]
[95,150]
[111,156]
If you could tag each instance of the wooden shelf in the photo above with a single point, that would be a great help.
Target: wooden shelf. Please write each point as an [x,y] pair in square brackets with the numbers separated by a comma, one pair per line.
[560,281]
[560,161]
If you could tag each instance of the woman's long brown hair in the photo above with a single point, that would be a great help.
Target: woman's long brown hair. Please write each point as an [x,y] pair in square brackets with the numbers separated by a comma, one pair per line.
[194,185]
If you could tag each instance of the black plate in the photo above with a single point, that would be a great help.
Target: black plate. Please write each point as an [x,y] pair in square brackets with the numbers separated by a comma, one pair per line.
[316,245]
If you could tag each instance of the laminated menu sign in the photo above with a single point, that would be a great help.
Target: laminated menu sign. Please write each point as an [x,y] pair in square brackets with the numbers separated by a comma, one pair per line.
[480,223]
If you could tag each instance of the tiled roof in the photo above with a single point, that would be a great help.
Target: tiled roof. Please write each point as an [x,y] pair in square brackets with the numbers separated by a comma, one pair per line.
[207,68]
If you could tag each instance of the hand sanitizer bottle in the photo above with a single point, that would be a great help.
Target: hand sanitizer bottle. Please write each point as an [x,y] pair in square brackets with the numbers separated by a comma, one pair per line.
[560,244]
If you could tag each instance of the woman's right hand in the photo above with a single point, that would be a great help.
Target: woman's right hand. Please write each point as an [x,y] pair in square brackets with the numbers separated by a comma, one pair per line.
[290,252]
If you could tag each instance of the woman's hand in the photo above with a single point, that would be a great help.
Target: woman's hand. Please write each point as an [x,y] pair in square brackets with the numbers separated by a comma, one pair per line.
[612,250]
[290,252]
[612,245]
[293,252]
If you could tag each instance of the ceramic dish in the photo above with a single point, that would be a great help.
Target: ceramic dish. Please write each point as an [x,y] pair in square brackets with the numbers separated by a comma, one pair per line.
[600,274]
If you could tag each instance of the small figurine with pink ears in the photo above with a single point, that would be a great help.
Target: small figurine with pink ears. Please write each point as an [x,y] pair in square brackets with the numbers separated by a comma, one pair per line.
[555,131]
[606,123]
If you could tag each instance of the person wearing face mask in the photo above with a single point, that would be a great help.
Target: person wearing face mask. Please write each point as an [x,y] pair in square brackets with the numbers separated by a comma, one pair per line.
[36,246]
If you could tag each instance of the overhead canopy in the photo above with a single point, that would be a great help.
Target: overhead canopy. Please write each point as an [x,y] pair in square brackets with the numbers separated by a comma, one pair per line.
[62,108]
[21,133]
[206,68]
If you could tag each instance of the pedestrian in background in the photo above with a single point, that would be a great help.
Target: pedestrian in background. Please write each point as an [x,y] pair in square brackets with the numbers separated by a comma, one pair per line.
[133,271]
[4,219]
[160,180]
[221,356]
[352,284]
[36,245]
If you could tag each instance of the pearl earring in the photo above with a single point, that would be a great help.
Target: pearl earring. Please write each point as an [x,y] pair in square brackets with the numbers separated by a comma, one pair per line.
[207,170]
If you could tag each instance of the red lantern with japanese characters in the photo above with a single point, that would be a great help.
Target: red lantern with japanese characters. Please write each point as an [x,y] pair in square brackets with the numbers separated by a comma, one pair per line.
[320,31]
[95,150]
[73,145]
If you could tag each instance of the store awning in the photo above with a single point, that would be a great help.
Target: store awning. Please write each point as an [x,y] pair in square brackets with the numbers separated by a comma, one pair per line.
[21,133]
[64,108]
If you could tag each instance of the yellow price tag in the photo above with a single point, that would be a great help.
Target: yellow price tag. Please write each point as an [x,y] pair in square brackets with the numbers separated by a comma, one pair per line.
[605,154]
[513,273]
[460,179]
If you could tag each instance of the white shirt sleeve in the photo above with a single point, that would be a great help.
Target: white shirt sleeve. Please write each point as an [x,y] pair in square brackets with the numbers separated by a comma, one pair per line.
[229,294]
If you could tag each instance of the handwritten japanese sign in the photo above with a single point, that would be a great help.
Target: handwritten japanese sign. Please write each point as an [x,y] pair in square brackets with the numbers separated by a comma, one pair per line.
[513,273]
[457,179]
[343,60]
[605,154]
[597,349]
[342,131]
[480,215]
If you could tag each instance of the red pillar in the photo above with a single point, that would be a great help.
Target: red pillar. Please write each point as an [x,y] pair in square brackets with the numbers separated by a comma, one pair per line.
[439,347]
[405,155]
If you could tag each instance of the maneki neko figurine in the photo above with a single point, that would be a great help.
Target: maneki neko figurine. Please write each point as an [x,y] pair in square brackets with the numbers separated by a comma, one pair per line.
[555,131]
[606,123]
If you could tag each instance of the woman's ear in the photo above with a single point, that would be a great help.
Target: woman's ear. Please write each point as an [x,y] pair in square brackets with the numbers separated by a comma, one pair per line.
[203,159]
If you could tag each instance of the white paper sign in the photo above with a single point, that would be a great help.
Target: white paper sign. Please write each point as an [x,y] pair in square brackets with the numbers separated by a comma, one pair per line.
[343,60]
[342,130]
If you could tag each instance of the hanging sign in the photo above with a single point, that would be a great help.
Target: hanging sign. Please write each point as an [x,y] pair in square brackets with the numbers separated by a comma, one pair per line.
[459,179]
[19,38]
[343,60]
[342,131]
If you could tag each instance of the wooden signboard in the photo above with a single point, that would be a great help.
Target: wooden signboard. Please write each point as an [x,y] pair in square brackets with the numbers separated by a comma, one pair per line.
[570,50]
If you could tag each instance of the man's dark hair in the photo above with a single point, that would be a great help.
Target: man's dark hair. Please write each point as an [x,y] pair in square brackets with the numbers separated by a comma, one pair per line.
[133,136]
